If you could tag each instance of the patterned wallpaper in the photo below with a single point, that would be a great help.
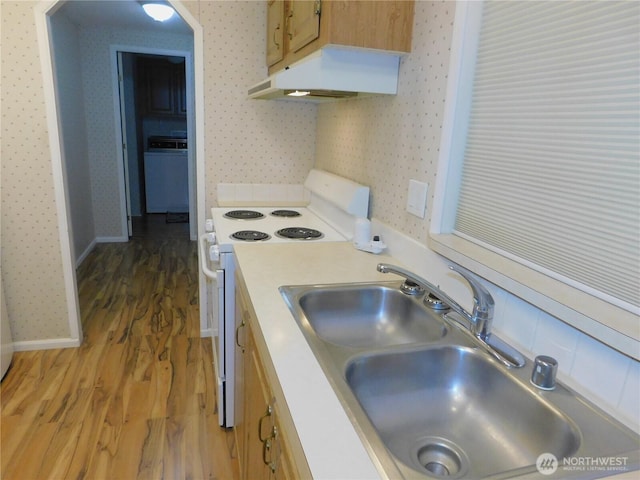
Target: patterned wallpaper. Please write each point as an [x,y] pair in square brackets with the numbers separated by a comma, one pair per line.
[385,141]
[30,256]
[247,141]
[68,73]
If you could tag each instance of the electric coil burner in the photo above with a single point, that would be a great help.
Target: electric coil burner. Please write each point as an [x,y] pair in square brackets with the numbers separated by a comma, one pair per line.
[243,214]
[285,213]
[250,236]
[299,233]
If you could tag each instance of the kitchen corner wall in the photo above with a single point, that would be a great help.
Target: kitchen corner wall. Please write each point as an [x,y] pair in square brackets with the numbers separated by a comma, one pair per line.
[73,133]
[247,141]
[385,141]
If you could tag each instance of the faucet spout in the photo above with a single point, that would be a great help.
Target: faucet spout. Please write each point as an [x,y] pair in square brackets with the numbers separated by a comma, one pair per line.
[479,320]
[483,304]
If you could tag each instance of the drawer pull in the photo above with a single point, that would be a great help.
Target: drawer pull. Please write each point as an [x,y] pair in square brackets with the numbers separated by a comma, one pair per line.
[262,418]
[238,335]
[267,448]
[275,42]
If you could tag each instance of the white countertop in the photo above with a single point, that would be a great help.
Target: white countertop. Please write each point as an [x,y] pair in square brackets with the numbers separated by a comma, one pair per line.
[331,444]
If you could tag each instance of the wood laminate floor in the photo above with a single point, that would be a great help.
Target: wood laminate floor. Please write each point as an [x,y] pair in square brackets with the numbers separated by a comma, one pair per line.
[137,399]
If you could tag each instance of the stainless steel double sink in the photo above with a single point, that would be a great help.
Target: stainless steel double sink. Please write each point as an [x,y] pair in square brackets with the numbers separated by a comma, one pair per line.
[429,402]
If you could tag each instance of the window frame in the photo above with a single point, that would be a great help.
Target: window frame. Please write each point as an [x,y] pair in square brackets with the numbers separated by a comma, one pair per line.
[612,325]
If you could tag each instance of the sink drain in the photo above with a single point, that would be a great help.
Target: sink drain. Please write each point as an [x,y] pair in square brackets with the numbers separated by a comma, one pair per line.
[441,459]
[437,468]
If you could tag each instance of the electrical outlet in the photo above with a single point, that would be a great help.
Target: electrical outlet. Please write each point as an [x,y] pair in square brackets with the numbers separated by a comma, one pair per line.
[417,198]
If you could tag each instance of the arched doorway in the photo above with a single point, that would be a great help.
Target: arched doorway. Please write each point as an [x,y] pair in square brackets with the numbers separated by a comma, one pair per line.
[72,246]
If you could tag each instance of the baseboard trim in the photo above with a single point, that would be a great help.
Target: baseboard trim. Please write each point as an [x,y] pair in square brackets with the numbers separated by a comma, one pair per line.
[206,332]
[27,345]
[86,252]
[112,239]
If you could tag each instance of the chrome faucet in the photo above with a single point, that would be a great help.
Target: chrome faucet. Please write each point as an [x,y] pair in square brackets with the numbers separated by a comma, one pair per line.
[480,319]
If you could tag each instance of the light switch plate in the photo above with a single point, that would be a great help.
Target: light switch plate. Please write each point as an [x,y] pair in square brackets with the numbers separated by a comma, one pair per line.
[417,198]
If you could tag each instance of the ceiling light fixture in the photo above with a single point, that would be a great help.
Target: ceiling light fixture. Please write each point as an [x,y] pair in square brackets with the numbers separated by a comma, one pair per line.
[158,11]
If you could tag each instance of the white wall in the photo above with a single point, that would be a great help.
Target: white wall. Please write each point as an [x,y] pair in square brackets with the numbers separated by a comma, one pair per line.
[31,256]
[384,142]
[68,73]
[247,141]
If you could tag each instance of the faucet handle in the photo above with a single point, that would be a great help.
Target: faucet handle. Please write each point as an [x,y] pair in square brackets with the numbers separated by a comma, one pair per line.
[483,304]
[544,372]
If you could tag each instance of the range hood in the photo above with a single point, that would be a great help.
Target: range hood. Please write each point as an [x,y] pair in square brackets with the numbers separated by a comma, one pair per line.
[331,74]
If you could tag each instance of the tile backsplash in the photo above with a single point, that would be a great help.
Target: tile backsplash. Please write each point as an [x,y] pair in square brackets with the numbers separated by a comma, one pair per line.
[608,378]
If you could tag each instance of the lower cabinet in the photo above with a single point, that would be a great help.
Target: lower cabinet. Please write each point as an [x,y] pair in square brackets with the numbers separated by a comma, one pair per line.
[263,447]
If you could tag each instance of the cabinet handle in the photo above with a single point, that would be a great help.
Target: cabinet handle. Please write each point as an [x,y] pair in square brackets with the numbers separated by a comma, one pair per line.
[318,7]
[274,37]
[267,448]
[288,24]
[262,418]
[238,335]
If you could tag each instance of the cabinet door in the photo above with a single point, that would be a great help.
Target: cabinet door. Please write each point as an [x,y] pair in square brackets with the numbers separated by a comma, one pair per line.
[259,417]
[180,91]
[284,466]
[159,89]
[240,355]
[163,87]
[303,23]
[275,31]
[264,451]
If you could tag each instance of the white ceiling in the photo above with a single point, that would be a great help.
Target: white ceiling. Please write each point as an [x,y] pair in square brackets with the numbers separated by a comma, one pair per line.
[119,13]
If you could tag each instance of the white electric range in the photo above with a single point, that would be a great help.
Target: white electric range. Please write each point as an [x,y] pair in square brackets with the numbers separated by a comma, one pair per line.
[335,205]
[270,225]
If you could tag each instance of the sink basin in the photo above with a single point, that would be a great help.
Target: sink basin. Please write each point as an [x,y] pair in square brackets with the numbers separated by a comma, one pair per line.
[429,402]
[367,316]
[449,411]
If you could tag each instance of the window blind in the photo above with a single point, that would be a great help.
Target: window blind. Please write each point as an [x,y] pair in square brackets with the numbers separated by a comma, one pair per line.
[551,172]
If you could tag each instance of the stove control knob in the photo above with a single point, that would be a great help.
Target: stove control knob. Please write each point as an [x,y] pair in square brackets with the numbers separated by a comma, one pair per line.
[211,237]
[208,226]
[214,253]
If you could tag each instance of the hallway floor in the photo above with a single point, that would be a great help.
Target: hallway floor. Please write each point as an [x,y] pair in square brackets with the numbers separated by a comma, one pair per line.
[152,225]
[137,399]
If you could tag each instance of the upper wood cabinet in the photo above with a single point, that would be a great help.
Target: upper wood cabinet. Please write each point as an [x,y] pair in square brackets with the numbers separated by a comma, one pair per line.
[296,28]
[275,31]
[303,23]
